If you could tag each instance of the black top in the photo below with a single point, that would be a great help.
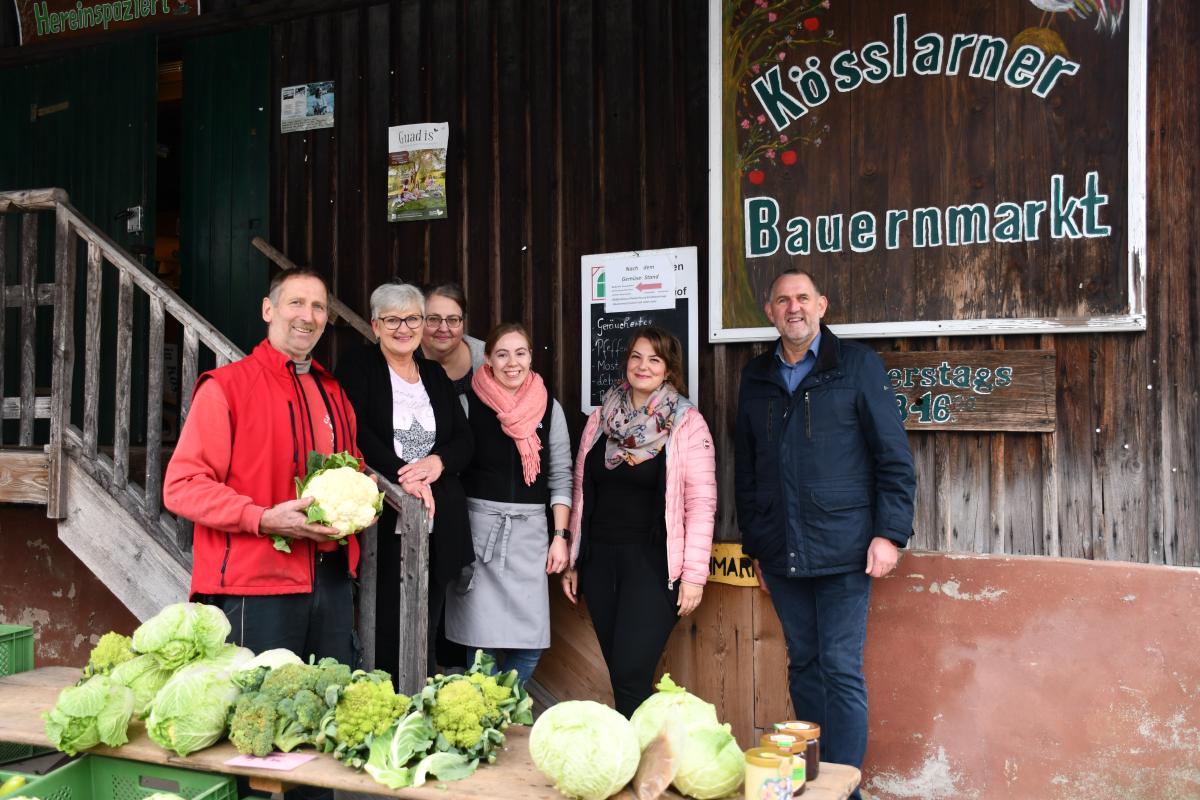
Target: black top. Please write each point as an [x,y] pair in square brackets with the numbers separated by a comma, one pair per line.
[463,384]
[629,501]
[364,375]
[495,472]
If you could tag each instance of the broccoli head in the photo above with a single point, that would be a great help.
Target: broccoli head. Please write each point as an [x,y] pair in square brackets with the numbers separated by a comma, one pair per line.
[287,680]
[460,712]
[330,672]
[252,728]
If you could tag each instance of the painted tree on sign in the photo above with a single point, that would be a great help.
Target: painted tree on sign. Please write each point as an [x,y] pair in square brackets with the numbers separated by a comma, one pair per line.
[758,35]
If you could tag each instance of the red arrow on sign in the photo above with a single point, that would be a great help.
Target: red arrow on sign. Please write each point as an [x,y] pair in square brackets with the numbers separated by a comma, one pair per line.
[643,287]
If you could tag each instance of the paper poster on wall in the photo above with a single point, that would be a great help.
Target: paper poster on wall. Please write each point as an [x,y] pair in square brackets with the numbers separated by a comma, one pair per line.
[625,291]
[306,107]
[938,168]
[417,171]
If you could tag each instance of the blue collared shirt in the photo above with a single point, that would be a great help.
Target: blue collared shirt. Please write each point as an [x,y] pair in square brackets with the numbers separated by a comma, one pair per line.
[792,374]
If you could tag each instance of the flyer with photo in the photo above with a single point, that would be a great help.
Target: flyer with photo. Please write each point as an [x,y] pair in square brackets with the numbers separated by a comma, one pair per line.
[306,107]
[417,171]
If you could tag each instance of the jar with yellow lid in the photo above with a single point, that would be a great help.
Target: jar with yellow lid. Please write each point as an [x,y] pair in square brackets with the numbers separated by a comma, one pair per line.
[768,774]
[810,734]
[793,746]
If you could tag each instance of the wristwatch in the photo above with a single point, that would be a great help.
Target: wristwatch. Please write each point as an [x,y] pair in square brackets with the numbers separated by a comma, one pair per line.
[561,533]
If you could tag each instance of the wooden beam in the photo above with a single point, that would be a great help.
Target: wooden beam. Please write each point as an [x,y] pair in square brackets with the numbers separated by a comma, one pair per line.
[118,549]
[154,413]
[337,307]
[413,527]
[122,386]
[29,228]
[24,476]
[63,362]
[91,355]
[31,200]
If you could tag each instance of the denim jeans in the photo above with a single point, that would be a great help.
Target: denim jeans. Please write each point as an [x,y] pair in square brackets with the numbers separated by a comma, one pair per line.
[523,661]
[825,626]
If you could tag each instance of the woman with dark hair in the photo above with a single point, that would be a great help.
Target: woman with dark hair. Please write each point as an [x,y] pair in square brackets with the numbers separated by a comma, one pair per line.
[445,338]
[645,498]
[521,466]
[411,429]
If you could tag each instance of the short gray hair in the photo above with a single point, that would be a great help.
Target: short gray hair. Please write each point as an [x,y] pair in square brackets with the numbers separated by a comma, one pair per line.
[396,297]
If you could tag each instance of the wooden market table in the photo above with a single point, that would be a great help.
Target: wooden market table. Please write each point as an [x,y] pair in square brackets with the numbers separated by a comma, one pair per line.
[24,696]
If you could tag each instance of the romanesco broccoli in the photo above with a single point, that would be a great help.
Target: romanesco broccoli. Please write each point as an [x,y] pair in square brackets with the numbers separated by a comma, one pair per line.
[459,711]
[367,706]
[112,649]
[494,694]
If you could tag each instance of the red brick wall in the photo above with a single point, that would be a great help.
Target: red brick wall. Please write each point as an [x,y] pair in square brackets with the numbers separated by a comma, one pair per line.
[43,585]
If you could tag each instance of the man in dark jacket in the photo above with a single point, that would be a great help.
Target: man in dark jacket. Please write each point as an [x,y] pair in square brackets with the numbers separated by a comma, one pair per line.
[824,488]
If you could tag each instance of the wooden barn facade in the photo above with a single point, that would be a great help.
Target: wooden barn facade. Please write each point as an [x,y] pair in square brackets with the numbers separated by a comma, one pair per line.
[580,127]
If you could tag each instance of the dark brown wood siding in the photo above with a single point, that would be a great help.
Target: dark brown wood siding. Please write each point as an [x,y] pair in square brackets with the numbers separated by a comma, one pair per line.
[579,126]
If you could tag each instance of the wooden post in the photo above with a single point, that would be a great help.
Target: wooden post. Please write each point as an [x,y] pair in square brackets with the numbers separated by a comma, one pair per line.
[91,352]
[154,409]
[368,579]
[188,371]
[63,364]
[122,385]
[413,525]
[29,226]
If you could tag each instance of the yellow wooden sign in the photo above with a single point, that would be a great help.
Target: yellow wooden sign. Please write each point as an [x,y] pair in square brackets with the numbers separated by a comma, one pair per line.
[728,564]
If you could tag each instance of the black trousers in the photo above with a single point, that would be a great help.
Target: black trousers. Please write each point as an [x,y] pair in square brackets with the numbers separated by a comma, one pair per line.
[318,623]
[633,612]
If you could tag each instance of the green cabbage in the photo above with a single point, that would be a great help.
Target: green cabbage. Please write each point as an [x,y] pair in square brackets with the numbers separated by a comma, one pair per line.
[589,750]
[674,708]
[97,710]
[390,753]
[190,712]
[182,632]
[710,763]
[144,676]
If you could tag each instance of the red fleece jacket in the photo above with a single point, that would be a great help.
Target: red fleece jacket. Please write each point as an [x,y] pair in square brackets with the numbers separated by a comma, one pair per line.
[246,439]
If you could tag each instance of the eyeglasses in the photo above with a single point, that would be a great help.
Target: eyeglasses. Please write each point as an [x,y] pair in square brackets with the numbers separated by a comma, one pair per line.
[435,322]
[413,321]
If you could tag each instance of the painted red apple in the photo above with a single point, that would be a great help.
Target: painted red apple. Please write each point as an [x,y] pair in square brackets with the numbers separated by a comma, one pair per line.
[756,176]
[811,24]
[788,157]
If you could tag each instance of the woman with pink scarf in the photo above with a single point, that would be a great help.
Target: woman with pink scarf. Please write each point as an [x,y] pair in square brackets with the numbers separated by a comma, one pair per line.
[522,464]
[642,518]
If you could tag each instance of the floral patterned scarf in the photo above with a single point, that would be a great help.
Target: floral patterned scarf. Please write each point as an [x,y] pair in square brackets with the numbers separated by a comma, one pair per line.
[633,434]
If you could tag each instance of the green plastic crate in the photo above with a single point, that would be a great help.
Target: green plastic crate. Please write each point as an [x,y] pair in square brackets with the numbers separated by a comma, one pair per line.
[16,649]
[101,778]
[10,751]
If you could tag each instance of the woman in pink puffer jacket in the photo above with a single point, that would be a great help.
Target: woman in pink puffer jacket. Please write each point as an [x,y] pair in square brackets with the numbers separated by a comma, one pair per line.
[641,528]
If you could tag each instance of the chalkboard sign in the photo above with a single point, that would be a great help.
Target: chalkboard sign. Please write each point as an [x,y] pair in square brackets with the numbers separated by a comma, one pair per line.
[624,292]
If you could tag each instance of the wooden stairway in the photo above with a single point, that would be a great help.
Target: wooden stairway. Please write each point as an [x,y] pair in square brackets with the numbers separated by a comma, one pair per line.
[109,506]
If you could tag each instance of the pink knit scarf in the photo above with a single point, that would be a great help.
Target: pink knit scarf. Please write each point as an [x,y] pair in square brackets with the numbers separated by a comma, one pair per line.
[519,414]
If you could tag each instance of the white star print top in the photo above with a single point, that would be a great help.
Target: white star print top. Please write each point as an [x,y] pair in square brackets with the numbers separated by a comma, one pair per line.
[413,423]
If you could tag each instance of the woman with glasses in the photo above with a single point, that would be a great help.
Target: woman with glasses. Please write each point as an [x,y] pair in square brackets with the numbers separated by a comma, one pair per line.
[445,338]
[411,429]
[522,465]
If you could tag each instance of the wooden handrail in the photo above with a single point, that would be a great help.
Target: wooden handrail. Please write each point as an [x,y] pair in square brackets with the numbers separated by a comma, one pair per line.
[338,308]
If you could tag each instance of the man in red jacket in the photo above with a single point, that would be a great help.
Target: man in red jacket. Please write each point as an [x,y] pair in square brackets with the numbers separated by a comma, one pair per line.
[246,439]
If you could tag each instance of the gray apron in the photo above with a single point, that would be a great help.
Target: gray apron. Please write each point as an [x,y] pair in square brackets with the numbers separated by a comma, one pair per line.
[503,601]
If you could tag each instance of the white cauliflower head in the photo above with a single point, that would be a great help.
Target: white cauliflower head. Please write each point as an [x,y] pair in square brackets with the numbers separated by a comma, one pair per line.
[346,499]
